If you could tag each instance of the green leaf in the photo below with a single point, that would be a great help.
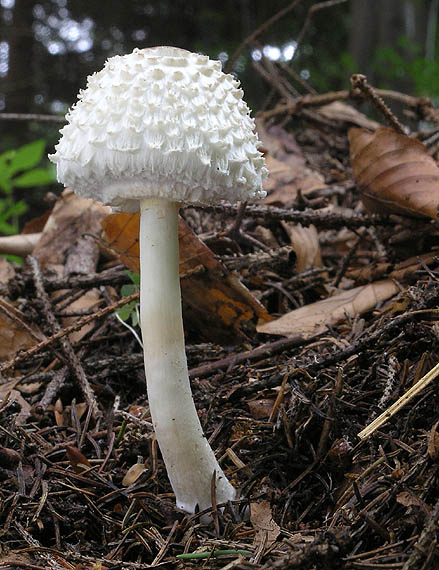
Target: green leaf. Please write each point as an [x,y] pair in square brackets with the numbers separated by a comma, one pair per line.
[35,177]
[135,278]
[125,311]
[27,156]
[14,259]
[9,212]
[5,178]
[5,184]
[16,209]
[127,290]
[5,158]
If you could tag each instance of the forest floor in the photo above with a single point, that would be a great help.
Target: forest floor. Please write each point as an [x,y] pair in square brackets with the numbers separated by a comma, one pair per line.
[281,401]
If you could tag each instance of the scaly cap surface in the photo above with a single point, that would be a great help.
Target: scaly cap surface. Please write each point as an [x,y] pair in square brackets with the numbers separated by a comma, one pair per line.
[160,123]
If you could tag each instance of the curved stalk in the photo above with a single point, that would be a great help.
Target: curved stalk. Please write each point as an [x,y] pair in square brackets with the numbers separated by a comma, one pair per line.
[189,459]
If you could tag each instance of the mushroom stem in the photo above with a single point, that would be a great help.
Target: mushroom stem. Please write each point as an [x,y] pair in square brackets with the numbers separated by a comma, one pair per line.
[189,459]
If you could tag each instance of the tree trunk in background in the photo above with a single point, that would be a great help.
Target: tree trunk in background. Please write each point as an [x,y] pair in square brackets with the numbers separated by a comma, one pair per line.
[18,85]
[382,24]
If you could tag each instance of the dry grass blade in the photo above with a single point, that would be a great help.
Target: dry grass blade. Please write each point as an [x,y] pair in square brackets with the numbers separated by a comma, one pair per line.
[394,172]
[403,400]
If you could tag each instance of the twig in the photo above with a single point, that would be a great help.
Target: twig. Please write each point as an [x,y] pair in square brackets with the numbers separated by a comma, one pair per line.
[20,323]
[321,219]
[236,226]
[165,545]
[269,258]
[31,117]
[47,553]
[314,8]
[107,277]
[308,100]
[402,401]
[263,351]
[63,332]
[259,31]
[53,388]
[427,538]
[359,81]
[329,423]
[271,74]
[65,344]
[346,261]
[420,104]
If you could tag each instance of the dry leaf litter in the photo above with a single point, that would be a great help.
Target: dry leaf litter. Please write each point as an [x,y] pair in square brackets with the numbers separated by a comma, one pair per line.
[306,317]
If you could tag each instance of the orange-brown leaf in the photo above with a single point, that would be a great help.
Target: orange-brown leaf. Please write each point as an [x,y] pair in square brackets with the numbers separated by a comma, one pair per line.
[215,303]
[121,232]
[394,172]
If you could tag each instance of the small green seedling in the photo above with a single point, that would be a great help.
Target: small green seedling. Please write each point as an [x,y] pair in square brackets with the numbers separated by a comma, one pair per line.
[130,310]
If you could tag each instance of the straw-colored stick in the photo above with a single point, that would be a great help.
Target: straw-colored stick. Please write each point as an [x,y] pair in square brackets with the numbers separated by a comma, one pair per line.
[403,400]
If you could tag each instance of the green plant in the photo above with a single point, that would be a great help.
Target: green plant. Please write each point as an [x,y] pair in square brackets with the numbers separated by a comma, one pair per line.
[130,310]
[20,168]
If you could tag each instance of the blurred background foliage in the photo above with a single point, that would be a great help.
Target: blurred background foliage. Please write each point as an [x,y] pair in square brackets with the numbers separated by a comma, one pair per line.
[49,47]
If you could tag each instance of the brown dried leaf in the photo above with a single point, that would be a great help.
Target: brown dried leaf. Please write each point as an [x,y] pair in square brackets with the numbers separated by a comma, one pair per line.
[77,460]
[394,172]
[305,242]
[286,180]
[133,474]
[89,301]
[278,142]
[59,418]
[139,411]
[313,319]
[214,301]
[404,271]
[121,233]
[81,408]
[409,499]
[342,112]
[433,442]
[9,458]
[58,412]
[287,166]
[15,334]
[267,530]
[69,219]
[260,409]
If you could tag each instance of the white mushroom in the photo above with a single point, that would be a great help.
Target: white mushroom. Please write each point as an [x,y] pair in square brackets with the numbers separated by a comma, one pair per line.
[154,129]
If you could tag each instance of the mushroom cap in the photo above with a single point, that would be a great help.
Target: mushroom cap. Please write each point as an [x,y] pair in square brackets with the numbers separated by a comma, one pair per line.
[160,123]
